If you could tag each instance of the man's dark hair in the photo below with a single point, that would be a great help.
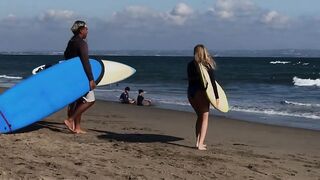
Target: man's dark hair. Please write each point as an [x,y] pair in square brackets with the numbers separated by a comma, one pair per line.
[78,26]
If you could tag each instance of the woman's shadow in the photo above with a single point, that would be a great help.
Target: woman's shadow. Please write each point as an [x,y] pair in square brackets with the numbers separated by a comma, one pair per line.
[108,135]
[140,138]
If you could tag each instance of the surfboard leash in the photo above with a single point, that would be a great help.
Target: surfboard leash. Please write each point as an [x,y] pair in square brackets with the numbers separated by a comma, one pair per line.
[6,121]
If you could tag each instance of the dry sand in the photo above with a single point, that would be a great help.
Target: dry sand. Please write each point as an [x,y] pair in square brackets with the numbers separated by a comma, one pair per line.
[131,142]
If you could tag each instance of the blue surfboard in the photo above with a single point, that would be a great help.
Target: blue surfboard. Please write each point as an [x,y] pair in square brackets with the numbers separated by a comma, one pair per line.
[45,93]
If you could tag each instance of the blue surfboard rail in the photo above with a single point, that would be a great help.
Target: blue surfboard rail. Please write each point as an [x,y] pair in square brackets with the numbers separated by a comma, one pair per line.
[45,93]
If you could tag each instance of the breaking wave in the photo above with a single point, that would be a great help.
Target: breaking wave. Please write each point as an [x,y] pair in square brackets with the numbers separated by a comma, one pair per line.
[280,62]
[306,82]
[10,77]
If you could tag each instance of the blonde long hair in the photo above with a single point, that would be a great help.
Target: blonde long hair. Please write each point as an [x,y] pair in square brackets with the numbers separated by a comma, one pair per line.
[202,56]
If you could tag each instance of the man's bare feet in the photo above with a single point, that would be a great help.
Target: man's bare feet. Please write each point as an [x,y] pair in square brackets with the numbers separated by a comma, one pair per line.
[70,125]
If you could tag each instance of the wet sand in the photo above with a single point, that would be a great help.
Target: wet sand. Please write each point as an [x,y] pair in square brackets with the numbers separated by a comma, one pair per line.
[132,142]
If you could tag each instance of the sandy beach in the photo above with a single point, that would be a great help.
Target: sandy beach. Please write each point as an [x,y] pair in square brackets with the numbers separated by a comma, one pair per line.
[131,142]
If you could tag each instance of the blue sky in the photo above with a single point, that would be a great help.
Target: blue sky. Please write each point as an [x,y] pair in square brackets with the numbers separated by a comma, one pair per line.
[165,24]
[106,7]
[292,7]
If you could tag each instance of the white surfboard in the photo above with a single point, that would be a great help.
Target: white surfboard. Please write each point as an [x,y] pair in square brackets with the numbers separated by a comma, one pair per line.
[113,72]
[223,105]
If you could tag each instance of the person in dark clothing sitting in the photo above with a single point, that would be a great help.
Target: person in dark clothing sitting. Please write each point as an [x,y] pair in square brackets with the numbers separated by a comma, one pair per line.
[140,99]
[124,97]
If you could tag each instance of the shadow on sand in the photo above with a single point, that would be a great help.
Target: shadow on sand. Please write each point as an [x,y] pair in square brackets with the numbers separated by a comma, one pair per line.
[108,135]
[53,126]
[140,138]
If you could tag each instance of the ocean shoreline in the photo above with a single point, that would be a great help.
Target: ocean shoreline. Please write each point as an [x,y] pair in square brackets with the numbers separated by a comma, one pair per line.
[257,88]
[134,142]
[234,115]
[258,118]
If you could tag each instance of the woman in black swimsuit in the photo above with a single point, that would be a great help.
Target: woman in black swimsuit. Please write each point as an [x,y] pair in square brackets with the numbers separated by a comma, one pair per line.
[196,91]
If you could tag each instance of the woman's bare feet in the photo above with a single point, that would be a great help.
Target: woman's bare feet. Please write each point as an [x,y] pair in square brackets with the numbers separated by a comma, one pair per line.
[202,147]
[70,125]
[80,131]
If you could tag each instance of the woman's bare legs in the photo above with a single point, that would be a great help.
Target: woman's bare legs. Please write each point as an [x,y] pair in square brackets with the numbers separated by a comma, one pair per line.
[198,130]
[203,130]
[201,105]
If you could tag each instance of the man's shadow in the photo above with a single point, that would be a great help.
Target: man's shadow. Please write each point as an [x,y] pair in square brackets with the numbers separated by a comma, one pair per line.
[53,126]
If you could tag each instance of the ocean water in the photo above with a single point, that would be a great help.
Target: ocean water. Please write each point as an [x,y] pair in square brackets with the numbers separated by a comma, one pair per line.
[281,91]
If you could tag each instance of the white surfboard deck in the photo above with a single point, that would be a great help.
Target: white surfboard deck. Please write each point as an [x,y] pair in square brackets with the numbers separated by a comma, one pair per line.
[113,72]
[223,105]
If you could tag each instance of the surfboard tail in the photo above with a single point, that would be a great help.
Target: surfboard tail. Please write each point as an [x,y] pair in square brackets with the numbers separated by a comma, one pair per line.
[5,126]
[223,105]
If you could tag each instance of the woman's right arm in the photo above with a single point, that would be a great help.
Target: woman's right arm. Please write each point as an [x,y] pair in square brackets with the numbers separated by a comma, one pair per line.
[213,82]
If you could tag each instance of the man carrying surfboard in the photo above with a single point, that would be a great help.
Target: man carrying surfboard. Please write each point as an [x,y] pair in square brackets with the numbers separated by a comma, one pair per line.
[197,92]
[78,47]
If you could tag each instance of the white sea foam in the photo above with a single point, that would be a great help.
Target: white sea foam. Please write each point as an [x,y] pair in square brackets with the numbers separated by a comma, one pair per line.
[306,82]
[280,62]
[108,90]
[10,77]
[173,102]
[274,112]
[301,104]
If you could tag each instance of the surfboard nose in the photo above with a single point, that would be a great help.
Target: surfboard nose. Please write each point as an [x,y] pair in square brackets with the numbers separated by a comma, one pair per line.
[115,72]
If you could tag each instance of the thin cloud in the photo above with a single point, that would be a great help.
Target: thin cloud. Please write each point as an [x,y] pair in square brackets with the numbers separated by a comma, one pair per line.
[232,9]
[275,19]
[226,24]
[140,15]
[181,9]
[179,14]
[57,15]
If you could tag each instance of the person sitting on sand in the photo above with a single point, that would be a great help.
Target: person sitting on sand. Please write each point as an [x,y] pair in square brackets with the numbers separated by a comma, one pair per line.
[124,97]
[140,99]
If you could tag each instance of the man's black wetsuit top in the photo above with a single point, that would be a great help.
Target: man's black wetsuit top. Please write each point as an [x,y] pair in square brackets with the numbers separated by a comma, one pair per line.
[195,83]
[140,100]
[78,47]
[124,98]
